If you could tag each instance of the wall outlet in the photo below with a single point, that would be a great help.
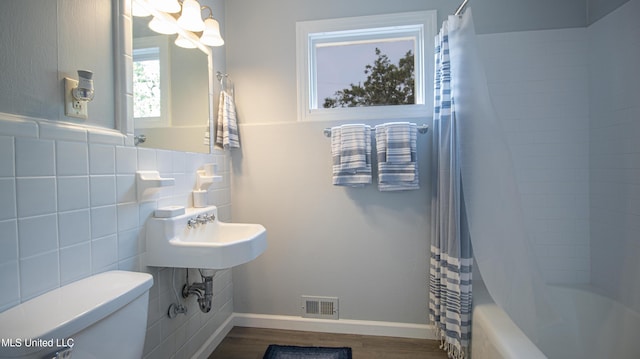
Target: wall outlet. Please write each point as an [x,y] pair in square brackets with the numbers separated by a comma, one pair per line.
[73,107]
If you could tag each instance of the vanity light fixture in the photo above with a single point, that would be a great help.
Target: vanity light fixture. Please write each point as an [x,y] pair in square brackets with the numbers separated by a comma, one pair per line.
[190,21]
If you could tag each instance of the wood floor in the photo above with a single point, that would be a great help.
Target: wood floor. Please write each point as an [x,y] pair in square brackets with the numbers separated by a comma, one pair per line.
[251,343]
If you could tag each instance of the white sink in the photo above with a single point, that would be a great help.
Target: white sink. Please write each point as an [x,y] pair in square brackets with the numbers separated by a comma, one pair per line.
[210,244]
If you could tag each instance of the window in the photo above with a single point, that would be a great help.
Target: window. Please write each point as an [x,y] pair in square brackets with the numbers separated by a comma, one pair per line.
[371,67]
[151,82]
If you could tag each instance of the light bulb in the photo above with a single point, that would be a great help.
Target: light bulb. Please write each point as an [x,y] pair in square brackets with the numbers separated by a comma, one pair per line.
[161,27]
[211,34]
[184,42]
[191,18]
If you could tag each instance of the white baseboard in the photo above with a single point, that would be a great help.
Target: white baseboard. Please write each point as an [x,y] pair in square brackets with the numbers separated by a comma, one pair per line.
[340,326]
[216,338]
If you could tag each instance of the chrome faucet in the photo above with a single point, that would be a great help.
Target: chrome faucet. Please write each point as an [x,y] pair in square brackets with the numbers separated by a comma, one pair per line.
[200,219]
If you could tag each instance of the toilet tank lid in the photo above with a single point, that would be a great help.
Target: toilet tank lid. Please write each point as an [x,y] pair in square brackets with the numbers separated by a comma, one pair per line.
[64,311]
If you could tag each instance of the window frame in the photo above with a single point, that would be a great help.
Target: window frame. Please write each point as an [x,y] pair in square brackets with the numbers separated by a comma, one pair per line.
[160,42]
[418,24]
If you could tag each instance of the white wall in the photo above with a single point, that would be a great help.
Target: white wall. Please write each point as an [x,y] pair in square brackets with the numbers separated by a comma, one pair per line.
[614,55]
[369,248]
[365,247]
[539,83]
[45,41]
[68,205]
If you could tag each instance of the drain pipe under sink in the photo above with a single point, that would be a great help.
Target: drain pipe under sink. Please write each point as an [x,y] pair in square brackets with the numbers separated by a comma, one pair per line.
[203,290]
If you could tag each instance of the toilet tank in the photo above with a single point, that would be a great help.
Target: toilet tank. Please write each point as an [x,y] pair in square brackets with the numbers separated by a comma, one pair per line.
[102,316]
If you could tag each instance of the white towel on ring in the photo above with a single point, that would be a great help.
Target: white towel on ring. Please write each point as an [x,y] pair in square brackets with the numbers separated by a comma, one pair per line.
[227,125]
[396,148]
[351,155]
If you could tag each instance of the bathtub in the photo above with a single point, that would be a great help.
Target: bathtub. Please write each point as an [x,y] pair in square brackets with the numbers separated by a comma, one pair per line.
[595,327]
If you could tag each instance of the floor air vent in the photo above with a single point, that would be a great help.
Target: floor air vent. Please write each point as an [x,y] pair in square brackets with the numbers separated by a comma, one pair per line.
[319,307]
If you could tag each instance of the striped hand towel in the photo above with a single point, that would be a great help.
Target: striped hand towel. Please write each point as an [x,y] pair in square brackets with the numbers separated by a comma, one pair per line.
[397,156]
[351,155]
[227,126]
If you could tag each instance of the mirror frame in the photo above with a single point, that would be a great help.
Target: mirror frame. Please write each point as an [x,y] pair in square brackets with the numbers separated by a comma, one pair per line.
[123,66]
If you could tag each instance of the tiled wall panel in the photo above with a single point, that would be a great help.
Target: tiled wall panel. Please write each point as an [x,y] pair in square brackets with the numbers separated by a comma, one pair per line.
[68,209]
[539,83]
[614,100]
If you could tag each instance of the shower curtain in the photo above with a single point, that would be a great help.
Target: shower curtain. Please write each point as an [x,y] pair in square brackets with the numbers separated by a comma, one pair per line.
[450,257]
[488,194]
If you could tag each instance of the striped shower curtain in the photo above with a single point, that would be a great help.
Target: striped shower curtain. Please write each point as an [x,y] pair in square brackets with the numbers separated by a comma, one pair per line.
[450,253]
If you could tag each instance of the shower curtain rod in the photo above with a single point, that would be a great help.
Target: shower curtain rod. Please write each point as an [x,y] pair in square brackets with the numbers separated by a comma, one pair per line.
[461,7]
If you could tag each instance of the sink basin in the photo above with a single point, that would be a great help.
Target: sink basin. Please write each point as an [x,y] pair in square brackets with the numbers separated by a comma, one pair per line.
[182,242]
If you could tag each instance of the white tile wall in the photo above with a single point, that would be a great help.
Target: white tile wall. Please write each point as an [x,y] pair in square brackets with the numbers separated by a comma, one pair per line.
[538,82]
[615,153]
[102,159]
[104,253]
[9,243]
[7,157]
[39,274]
[75,262]
[68,209]
[103,221]
[9,277]
[35,195]
[103,190]
[34,157]
[37,235]
[73,193]
[126,160]
[72,159]
[8,198]
[74,227]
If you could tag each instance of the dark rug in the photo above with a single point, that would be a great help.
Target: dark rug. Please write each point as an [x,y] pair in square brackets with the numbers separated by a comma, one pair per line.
[292,352]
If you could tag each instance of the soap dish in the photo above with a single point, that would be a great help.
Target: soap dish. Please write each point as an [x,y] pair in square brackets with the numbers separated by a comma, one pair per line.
[169,211]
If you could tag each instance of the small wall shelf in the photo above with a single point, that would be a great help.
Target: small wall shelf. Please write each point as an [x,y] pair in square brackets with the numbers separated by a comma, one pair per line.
[149,182]
[206,177]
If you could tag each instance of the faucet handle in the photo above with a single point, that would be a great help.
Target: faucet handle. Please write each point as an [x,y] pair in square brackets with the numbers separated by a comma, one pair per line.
[201,219]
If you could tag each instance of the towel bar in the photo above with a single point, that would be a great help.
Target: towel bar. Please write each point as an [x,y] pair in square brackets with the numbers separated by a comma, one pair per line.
[422,129]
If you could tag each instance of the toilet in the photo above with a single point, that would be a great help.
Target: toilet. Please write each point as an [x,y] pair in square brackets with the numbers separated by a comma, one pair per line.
[102,316]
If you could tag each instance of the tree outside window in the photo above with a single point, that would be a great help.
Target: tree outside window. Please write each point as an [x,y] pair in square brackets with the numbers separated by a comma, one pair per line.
[386,84]
[146,88]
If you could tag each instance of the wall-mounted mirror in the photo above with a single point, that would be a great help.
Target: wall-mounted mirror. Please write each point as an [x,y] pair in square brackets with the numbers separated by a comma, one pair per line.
[172,91]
